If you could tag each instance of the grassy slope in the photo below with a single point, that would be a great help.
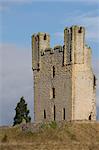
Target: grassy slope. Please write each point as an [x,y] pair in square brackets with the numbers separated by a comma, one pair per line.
[70,136]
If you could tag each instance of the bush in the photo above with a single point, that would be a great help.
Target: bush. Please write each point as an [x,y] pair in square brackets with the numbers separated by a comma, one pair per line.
[43,126]
[5,139]
[53,125]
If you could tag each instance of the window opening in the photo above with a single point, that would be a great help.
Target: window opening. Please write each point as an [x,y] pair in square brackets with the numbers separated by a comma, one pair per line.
[80,30]
[45,37]
[54,113]
[44,114]
[94,81]
[53,92]
[53,71]
[90,117]
[63,113]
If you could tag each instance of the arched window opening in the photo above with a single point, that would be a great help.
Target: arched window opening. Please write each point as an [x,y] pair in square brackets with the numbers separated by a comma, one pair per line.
[45,37]
[90,117]
[80,30]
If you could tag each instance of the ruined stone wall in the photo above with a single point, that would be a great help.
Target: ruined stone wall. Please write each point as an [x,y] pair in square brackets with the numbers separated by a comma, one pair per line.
[44,83]
[84,105]
[73,83]
[83,101]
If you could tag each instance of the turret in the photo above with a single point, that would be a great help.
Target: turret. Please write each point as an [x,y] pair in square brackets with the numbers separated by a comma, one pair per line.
[67,46]
[74,43]
[40,42]
[78,44]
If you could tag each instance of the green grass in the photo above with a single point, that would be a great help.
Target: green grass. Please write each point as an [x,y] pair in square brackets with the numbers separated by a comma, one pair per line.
[70,135]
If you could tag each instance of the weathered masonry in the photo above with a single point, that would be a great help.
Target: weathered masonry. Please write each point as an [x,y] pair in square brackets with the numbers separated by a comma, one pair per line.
[64,83]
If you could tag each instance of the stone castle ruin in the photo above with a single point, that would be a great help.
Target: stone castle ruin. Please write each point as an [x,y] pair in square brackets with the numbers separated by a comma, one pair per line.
[64,83]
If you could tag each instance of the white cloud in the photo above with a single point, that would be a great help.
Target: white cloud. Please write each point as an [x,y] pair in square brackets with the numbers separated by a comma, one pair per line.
[15,80]
[91,24]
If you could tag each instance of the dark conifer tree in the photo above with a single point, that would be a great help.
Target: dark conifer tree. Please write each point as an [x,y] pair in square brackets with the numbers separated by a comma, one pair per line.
[22,113]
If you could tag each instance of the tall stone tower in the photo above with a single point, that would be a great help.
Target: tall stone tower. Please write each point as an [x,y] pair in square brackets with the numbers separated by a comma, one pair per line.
[64,83]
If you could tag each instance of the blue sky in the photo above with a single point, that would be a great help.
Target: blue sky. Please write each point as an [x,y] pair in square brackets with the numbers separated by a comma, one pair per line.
[19,19]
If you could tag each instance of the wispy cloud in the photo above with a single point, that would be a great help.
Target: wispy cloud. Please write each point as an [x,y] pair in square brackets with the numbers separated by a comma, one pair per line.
[92,25]
[89,20]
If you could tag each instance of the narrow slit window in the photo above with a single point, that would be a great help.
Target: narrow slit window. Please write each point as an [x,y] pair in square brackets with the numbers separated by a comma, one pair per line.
[54,113]
[94,82]
[90,117]
[53,92]
[53,71]
[63,113]
[44,114]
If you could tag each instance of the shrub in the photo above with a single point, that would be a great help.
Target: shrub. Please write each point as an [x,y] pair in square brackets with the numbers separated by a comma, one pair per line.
[5,139]
[53,125]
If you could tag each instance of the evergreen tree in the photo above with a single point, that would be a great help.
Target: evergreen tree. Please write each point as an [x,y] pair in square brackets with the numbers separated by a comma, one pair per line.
[22,113]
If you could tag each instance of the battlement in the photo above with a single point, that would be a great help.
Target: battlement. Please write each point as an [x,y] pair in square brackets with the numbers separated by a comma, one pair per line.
[79,29]
[73,48]
[40,34]
[57,48]
[40,41]
[74,29]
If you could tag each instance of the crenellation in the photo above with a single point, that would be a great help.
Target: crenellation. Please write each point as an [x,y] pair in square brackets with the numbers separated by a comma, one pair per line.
[64,83]
[58,48]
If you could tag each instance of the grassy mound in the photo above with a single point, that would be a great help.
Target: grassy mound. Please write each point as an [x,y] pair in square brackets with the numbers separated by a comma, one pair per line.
[52,136]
